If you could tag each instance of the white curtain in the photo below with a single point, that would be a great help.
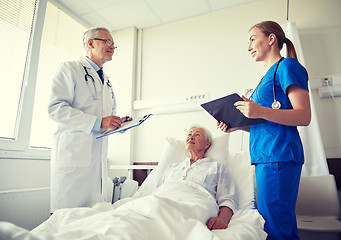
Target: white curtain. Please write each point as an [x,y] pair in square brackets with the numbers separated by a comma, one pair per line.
[315,157]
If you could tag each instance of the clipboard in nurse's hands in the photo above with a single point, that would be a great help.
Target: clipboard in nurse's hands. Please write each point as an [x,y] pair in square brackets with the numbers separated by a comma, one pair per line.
[223,110]
[125,126]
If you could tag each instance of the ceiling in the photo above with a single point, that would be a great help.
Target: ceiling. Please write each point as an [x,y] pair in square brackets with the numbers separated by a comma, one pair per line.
[119,14]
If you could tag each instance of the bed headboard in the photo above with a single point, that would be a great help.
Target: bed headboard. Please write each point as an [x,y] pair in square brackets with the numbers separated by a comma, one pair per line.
[140,175]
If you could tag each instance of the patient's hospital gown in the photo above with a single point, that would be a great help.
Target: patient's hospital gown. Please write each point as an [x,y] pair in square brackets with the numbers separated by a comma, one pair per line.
[213,176]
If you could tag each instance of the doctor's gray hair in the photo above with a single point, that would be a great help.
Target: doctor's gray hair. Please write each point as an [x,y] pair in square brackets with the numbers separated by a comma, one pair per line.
[92,33]
[208,134]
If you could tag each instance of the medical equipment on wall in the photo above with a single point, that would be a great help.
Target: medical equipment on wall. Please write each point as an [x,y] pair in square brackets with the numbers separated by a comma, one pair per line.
[87,76]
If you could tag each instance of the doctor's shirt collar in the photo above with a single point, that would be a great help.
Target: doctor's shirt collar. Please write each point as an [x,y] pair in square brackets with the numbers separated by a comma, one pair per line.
[93,64]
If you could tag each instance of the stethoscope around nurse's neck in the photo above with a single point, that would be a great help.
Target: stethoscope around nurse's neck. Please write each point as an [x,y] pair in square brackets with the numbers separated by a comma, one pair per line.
[94,92]
[276,104]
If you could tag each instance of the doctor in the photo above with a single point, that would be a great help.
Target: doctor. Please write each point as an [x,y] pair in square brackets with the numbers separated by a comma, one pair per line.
[83,104]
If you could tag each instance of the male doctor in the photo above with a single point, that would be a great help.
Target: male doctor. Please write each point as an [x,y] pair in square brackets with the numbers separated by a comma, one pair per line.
[83,104]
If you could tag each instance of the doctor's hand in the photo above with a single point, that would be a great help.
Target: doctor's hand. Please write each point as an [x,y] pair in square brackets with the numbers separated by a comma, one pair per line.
[112,122]
[126,119]
[249,108]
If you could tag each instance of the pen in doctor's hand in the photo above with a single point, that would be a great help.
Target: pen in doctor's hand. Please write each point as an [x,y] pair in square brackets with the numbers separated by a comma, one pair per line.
[126,119]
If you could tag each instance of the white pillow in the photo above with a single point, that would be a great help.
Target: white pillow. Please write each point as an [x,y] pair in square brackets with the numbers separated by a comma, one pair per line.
[175,151]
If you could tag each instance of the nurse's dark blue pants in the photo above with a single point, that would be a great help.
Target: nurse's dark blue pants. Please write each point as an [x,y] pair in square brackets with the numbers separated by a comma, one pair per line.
[277,189]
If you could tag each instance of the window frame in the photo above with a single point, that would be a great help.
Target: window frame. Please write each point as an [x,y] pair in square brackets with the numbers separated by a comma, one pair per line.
[24,117]
[19,147]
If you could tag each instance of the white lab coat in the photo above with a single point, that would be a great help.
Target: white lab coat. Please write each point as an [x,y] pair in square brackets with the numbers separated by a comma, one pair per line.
[78,159]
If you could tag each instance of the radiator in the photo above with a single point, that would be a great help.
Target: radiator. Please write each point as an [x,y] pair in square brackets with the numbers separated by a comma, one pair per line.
[26,208]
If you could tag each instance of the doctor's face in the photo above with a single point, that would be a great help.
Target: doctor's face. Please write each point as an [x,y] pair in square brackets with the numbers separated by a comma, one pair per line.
[258,44]
[101,49]
[196,140]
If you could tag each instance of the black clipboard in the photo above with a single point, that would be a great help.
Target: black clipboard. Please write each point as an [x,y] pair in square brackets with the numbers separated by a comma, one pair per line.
[125,126]
[223,110]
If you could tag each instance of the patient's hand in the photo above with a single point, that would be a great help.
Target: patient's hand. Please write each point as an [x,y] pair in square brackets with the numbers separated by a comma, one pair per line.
[216,223]
[223,219]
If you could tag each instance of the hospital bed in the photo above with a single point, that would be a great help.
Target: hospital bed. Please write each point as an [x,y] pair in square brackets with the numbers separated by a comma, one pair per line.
[164,215]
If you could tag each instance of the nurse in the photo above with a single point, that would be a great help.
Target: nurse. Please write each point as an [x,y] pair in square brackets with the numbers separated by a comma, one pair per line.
[281,98]
[83,104]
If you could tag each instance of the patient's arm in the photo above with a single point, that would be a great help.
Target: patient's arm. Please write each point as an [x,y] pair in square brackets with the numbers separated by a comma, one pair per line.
[223,219]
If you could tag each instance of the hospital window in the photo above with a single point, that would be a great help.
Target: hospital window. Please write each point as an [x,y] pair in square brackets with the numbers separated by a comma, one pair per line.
[61,41]
[36,37]
[16,19]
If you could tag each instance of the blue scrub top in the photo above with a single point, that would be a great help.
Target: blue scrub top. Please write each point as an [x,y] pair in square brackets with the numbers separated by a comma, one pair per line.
[273,142]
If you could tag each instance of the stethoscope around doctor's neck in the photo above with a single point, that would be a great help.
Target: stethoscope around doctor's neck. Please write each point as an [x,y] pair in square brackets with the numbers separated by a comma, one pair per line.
[276,104]
[94,92]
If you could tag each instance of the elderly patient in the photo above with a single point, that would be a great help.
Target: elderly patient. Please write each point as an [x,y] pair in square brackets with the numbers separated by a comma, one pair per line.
[213,176]
[185,196]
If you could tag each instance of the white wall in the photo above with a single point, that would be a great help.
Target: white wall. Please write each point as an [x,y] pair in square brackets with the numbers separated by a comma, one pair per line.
[209,53]
[121,72]
[322,53]
[201,54]
[24,173]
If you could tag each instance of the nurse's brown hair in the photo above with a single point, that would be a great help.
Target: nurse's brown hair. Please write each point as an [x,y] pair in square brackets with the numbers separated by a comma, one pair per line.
[268,27]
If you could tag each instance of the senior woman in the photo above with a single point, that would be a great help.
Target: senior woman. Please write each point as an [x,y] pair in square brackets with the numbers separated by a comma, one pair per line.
[197,168]
[189,194]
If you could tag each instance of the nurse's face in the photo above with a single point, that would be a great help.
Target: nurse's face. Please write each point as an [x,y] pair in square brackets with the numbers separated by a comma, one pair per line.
[259,46]
[196,140]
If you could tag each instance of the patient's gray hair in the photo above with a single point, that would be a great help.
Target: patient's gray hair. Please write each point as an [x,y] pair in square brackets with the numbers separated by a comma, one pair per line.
[208,134]
[92,33]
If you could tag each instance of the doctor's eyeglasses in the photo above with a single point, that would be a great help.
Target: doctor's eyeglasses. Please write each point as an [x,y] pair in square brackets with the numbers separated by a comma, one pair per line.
[108,42]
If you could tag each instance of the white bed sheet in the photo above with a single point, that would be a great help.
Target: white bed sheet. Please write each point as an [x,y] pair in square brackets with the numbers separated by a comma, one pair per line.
[173,212]
[181,215]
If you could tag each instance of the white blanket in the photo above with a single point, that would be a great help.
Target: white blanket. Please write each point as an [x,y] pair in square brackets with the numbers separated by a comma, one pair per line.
[177,210]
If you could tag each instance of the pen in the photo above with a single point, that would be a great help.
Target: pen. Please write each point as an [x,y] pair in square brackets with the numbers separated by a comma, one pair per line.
[126,118]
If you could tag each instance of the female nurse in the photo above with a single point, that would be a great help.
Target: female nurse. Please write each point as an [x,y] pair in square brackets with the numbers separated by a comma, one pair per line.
[282,99]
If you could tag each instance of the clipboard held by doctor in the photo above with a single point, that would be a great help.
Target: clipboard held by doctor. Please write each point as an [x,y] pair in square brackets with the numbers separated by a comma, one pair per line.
[125,126]
[223,110]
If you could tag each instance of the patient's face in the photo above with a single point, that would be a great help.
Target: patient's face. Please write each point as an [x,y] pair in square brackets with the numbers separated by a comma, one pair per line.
[196,140]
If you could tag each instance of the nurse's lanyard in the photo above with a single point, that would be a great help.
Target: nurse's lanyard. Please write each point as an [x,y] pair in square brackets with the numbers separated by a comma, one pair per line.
[276,104]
